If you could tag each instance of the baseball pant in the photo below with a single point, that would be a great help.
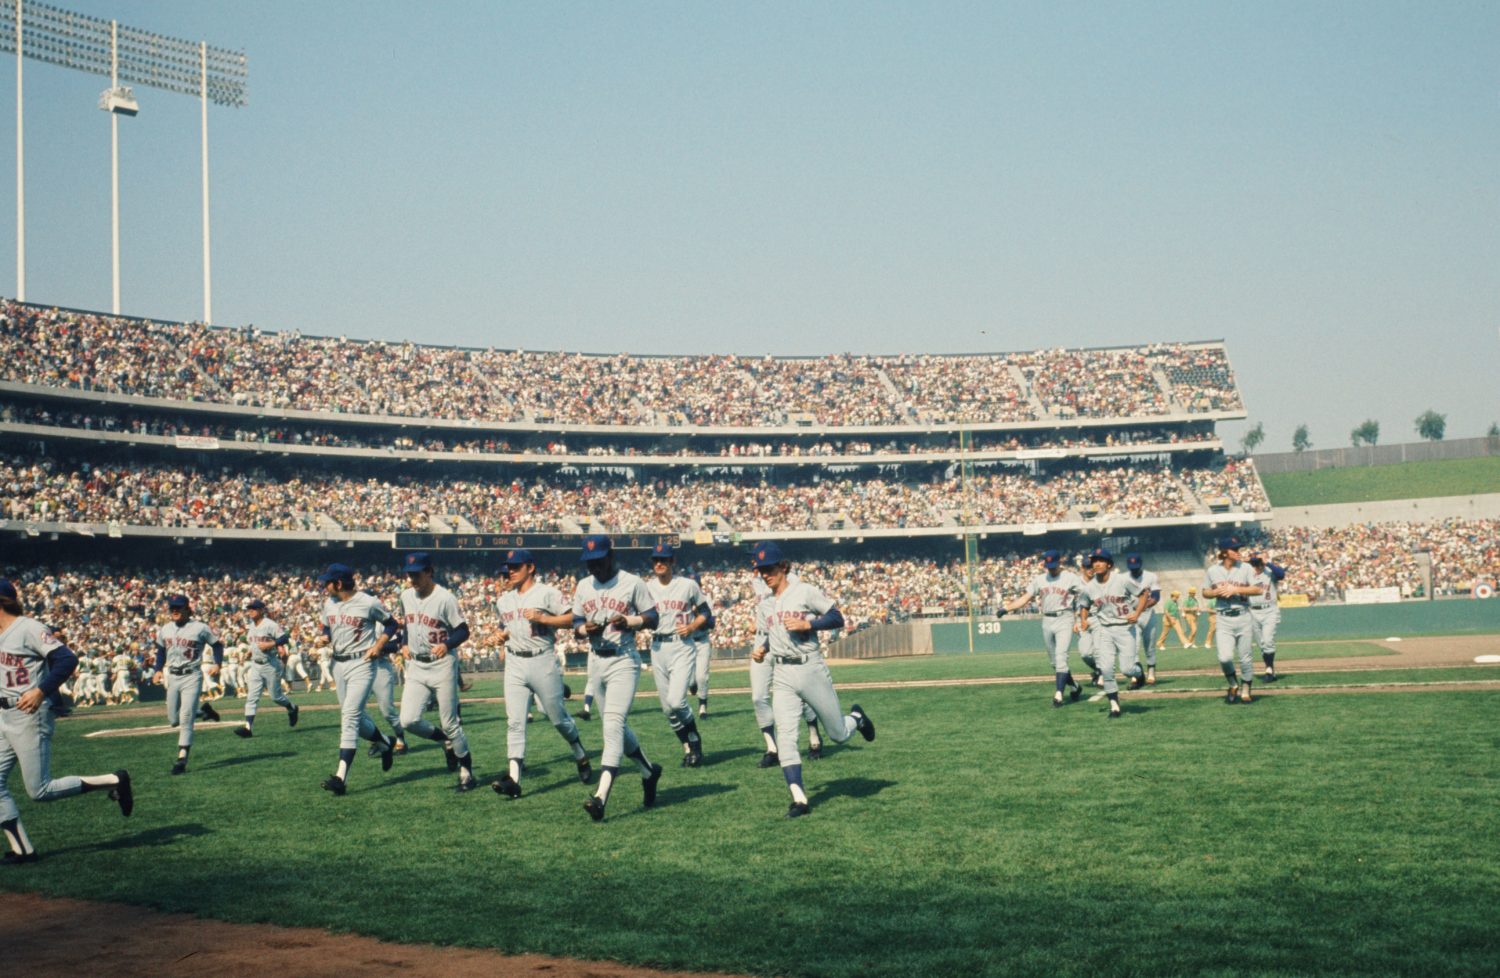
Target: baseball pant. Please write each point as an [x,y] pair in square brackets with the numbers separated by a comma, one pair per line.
[705,656]
[265,676]
[795,687]
[438,681]
[760,695]
[352,680]
[1233,642]
[1057,638]
[1086,646]
[591,687]
[619,675]
[1147,628]
[182,703]
[673,663]
[1263,626]
[123,686]
[383,682]
[26,739]
[1115,643]
[542,677]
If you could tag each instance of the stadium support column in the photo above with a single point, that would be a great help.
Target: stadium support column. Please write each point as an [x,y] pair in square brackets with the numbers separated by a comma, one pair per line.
[208,288]
[971,542]
[1424,572]
[20,170]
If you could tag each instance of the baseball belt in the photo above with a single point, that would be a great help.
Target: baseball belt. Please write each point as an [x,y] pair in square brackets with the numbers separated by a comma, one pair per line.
[524,654]
[606,653]
[6,702]
[1055,614]
[424,657]
[792,660]
[1230,612]
[182,670]
[343,658]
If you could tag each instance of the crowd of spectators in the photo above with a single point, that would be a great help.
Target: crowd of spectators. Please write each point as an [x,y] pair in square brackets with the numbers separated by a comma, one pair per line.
[250,366]
[1325,563]
[1237,482]
[293,497]
[436,440]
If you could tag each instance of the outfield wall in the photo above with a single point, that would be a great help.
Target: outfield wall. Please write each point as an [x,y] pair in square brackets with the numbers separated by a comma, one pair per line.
[1460,616]
[1311,460]
[1335,515]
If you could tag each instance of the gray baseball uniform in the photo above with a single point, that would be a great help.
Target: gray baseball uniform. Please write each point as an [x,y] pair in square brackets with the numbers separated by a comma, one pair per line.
[532,669]
[264,668]
[799,676]
[1058,594]
[1149,623]
[674,658]
[180,657]
[353,627]
[429,623]
[760,690]
[1233,636]
[618,665]
[1109,603]
[1265,614]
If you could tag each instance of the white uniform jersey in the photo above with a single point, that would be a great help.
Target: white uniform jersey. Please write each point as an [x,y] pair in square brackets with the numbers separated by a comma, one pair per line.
[24,648]
[522,635]
[266,630]
[1111,601]
[121,668]
[430,619]
[796,601]
[185,644]
[677,603]
[598,601]
[353,625]
[1057,594]
[1268,598]
[1150,584]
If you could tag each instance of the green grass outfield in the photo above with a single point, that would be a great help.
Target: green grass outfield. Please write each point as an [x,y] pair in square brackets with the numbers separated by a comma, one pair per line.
[1408,480]
[982,833]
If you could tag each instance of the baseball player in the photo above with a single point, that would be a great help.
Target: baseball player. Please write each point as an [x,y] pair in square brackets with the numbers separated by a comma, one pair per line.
[179,655]
[1114,603]
[681,612]
[1231,585]
[787,623]
[358,629]
[1190,609]
[123,688]
[1148,624]
[1058,591]
[267,638]
[33,665]
[296,668]
[1265,611]
[385,676]
[434,629]
[530,612]
[1086,630]
[760,695]
[325,666]
[609,607]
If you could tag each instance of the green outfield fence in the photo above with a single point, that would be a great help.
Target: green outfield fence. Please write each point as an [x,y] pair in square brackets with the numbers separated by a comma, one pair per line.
[1463,616]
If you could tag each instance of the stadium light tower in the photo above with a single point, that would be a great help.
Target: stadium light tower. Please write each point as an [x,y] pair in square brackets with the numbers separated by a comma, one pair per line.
[104,47]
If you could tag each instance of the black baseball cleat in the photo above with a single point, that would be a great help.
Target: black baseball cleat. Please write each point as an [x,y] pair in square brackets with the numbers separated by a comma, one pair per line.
[507,786]
[1096,679]
[465,785]
[1114,710]
[584,715]
[692,689]
[769,759]
[815,752]
[1232,696]
[375,749]
[1137,682]
[292,714]
[648,786]
[243,731]
[585,770]
[335,784]
[866,725]
[567,691]
[595,808]
[1075,691]
[1269,677]
[16,858]
[122,793]
[449,757]
[210,714]
[180,767]
[388,756]
[798,809]
[1057,700]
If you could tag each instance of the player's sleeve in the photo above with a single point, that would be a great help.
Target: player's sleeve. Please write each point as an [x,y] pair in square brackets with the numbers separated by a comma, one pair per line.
[161,655]
[1032,588]
[642,599]
[816,601]
[453,613]
[283,637]
[457,635]
[553,603]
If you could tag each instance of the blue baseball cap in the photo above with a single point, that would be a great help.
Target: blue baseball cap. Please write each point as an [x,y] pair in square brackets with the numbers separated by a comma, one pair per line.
[663,551]
[596,546]
[1229,543]
[8,590]
[256,605]
[1102,554]
[415,562]
[1133,561]
[766,554]
[336,572]
[519,556]
[1051,558]
[177,601]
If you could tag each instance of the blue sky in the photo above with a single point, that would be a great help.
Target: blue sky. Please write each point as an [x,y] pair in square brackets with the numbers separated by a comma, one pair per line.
[1314,183]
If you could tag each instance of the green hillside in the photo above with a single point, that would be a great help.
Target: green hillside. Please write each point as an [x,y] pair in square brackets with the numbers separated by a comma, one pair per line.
[1409,480]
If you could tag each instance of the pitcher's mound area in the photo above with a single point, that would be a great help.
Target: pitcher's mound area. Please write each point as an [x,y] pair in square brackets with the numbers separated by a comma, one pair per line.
[120,941]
